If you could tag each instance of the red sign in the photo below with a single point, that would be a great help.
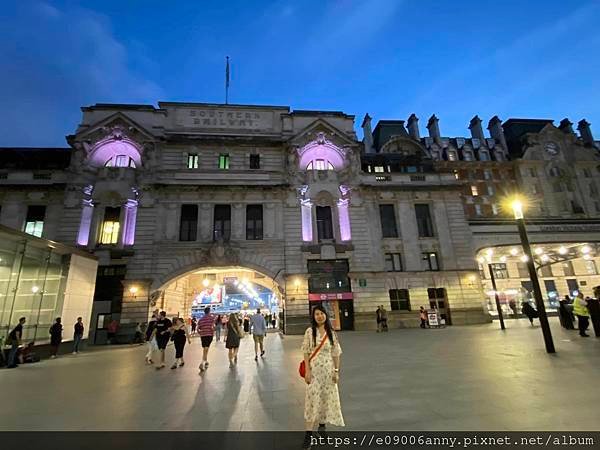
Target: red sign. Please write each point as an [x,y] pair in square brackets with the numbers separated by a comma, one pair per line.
[330,296]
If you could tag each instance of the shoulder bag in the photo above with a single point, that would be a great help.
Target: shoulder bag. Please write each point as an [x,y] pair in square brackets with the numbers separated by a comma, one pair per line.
[302,367]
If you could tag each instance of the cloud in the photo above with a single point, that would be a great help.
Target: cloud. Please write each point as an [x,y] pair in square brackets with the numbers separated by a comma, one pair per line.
[56,62]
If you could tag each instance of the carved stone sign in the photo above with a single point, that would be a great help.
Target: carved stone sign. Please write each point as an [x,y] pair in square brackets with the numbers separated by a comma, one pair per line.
[569,228]
[225,118]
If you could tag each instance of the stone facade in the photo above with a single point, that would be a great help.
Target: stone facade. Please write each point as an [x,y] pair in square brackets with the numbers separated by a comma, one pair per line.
[163,192]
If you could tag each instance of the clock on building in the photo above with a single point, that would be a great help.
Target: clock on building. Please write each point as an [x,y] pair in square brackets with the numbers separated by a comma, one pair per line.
[551,148]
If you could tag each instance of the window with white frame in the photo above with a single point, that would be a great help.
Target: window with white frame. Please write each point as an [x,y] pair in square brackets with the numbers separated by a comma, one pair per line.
[120,161]
[34,222]
[319,164]
[109,232]
[192,161]
[393,262]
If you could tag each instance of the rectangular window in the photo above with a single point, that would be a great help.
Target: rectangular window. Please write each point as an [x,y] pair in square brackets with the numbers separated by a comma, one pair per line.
[379,169]
[487,174]
[490,189]
[477,209]
[324,223]
[437,298]
[590,267]
[224,161]
[255,161]
[532,172]
[192,162]
[451,156]
[222,223]
[399,300]
[424,223]
[431,261]
[388,221]
[500,271]
[254,222]
[474,191]
[551,289]
[587,173]
[573,286]
[523,270]
[109,234]
[568,268]
[393,262]
[34,223]
[188,224]
[546,271]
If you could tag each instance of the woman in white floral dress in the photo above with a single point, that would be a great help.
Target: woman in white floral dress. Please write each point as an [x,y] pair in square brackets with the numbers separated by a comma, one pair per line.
[322,400]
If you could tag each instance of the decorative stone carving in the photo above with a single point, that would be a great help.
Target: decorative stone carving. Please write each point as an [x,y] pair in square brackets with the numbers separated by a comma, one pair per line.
[220,253]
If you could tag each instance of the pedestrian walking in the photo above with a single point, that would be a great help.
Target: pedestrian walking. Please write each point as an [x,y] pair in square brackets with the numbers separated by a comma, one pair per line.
[233,339]
[565,314]
[246,325]
[162,334]
[273,320]
[259,330]
[179,335]
[218,327]
[151,338]
[15,338]
[383,317]
[113,326]
[55,337]
[77,335]
[580,309]
[193,325]
[378,318]
[322,352]
[423,317]
[529,311]
[206,329]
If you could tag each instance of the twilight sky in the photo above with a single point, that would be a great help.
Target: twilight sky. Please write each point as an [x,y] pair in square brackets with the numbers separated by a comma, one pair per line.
[537,58]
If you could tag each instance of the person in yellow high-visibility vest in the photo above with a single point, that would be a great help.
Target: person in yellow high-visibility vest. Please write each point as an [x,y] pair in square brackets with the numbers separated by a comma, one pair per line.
[583,316]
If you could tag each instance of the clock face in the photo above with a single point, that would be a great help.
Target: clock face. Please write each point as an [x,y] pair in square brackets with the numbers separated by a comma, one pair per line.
[551,148]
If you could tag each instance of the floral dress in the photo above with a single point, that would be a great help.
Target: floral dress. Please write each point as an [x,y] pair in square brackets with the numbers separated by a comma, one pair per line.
[322,399]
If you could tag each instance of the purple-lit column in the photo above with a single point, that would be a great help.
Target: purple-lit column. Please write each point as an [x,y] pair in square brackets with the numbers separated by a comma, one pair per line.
[86,222]
[307,233]
[344,216]
[129,218]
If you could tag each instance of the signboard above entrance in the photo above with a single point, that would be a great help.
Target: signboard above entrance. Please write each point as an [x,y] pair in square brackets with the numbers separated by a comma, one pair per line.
[330,296]
[225,118]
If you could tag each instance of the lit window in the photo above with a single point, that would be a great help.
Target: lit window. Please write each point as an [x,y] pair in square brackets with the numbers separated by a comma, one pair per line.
[490,189]
[431,261]
[477,209]
[120,161]
[192,162]
[495,209]
[474,191]
[590,267]
[224,161]
[34,223]
[109,234]
[319,164]
[452,156]
[456,175]
[379,169]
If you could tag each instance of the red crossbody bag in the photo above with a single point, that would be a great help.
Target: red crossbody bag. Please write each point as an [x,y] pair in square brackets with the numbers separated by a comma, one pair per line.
[302,368]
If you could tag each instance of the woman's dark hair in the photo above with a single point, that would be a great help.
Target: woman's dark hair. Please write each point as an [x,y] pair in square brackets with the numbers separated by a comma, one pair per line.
[314,324]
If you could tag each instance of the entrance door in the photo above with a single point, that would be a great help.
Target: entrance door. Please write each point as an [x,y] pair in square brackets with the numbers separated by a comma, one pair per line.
[346,308]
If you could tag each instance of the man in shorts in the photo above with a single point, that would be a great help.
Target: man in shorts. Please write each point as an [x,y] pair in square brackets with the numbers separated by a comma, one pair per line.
[259,330]
[162,333]
[206,329]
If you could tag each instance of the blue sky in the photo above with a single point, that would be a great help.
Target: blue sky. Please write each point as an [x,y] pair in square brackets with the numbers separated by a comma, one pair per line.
[389,58]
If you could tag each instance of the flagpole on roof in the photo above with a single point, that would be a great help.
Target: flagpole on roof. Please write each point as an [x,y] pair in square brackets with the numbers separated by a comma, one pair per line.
[227,81]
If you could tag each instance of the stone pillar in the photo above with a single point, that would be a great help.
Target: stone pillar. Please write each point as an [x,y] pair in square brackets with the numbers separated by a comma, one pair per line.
[409,230]
[172,213]
[269,221]
[442,227]
[497,132]
[52,221]
[344,219]
[307,231]
[434,128]
[476,129]
[205,222]
[566,126]
[129,221]
[238,221]
[585,131]
[87,213]
[13,213]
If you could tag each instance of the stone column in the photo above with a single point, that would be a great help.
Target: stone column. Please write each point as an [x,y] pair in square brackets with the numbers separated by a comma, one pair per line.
[172,222]
[344,219]
[442,227]
[205,222]
[13,213]
[307,231]
[409,233]
[238,222]
[129,221]
[87,213]
[269,221]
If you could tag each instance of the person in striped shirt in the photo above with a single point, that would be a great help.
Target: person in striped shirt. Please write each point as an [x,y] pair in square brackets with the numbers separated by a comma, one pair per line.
[206,328]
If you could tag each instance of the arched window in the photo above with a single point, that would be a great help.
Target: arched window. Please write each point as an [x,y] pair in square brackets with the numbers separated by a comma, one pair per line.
[319,164]
[120,161]
[554,172]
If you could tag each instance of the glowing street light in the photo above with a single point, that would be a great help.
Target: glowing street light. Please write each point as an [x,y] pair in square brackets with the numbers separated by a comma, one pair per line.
[514,251]
[586,249]
[205,282]
[539,251]
[517,207]
[35,289]
[562,250]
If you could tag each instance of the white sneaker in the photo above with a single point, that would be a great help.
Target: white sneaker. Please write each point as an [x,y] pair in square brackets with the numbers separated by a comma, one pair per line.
[52,356]
[74,353]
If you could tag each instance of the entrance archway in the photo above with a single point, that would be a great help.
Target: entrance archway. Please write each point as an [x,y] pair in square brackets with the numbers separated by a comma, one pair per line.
[225,290]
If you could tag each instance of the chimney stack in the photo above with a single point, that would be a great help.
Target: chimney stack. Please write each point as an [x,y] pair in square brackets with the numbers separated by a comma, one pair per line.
[413,127]
[585,132]
[367,134]
[476,129]
[566,126]
[497,132]
[434,128]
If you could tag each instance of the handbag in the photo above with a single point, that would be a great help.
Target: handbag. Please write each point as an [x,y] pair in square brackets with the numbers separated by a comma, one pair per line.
[302,367]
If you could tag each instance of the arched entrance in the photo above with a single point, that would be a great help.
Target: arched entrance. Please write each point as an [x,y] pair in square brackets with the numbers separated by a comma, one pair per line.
[229,289]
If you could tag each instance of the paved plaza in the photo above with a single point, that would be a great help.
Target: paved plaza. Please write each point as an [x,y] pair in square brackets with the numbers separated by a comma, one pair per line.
[458,378]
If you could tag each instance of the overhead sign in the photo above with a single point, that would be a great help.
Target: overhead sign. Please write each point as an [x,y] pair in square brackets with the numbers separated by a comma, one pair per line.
[229,279]
[330,296]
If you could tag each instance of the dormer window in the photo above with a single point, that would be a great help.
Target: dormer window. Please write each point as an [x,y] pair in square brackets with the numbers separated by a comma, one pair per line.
[484,156]
[452,156]
[120,161]
[379,169]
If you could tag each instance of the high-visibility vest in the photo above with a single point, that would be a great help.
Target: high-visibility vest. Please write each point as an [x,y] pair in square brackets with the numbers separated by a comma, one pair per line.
[579,309]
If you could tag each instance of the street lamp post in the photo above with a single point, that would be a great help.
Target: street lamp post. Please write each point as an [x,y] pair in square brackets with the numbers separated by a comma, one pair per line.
[498,308]
[517,208]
